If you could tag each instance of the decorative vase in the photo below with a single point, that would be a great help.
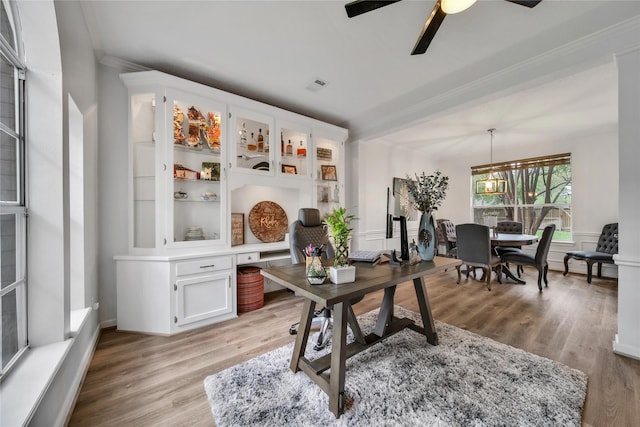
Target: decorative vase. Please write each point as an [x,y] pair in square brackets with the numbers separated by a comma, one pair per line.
[316,274]
[426,237]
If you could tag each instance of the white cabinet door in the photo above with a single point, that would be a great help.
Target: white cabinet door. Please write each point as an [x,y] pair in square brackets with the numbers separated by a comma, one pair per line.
[203,297]
[196,171]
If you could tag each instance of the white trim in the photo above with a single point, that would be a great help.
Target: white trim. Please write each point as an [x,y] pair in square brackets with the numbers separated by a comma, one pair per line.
[625,350]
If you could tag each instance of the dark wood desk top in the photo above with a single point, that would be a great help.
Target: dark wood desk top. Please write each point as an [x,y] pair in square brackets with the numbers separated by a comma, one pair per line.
[368,279]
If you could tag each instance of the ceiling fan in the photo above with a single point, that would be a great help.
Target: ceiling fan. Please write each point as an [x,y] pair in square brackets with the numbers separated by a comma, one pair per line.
[442,9]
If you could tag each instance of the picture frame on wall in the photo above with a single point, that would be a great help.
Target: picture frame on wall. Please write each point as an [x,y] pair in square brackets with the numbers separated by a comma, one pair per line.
[403,201]
[237,229]
[290,169]
[329,173]
[210,171]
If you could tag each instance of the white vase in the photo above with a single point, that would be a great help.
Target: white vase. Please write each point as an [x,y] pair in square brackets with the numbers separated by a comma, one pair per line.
[342,274]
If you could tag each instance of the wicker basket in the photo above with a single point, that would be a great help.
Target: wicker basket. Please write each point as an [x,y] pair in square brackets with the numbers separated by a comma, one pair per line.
[250,289]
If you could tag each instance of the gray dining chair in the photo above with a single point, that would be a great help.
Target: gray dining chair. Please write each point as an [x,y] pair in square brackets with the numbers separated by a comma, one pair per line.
[539,260]
[509,227]
[607,247]
[473,242]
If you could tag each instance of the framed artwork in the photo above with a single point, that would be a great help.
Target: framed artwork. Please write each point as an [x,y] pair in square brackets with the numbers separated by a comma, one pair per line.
[210,171]
[403,202]
[329,173]
[237,229]
[289,169]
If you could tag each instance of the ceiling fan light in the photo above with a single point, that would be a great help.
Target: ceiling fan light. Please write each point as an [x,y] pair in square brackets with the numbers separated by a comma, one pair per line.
[454,6]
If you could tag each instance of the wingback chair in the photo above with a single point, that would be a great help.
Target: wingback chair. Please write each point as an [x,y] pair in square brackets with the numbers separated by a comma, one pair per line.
[539,260]
[607,246]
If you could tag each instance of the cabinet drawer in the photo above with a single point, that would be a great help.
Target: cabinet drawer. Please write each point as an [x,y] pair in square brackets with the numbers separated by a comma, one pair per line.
[248,258]
[203,265]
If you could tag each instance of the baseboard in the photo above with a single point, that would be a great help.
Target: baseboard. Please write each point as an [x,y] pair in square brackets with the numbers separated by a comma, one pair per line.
[625,350]
[110,323]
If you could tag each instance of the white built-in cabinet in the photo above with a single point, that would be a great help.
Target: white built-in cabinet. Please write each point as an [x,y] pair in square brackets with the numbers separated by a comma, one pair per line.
[197,155]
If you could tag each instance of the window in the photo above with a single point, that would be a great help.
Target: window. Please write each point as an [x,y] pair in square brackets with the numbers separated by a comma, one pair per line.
[538,193]
[13,319]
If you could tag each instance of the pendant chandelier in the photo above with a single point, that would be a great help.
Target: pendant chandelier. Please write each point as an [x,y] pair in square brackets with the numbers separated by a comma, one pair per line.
[491,185]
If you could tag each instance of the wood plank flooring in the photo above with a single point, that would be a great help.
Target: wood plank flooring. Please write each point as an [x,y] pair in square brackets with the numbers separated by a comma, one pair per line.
[140,380]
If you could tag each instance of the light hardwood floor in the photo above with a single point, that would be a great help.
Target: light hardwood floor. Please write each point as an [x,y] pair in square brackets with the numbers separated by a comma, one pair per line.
[140,380]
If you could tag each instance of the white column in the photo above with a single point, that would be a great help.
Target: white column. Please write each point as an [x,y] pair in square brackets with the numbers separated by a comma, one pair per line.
[627,340]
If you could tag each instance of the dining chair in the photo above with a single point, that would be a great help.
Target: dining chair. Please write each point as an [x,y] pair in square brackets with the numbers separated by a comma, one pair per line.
[446,230]
[509,227]
[539,260]
[473,243]
[605,249]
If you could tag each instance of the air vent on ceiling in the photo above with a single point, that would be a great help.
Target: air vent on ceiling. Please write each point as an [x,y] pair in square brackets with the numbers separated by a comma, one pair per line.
[316,84]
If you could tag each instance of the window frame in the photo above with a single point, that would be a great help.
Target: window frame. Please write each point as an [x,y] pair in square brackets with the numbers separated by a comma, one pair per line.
[13,57]
[514,205]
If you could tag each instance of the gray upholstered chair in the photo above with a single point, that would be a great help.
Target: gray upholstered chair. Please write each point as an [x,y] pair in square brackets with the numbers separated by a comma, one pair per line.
[473,242]
[445,230]
[509,227]
[539,260]
[605,249]
[309,229]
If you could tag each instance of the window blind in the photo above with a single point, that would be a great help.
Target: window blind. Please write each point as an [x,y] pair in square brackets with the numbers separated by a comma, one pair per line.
[533,162]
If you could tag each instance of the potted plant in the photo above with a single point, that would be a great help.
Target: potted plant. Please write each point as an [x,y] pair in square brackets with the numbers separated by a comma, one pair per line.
[338,225]
[427,192]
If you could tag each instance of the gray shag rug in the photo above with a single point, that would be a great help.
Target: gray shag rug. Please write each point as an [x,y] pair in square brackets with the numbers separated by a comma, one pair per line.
[467,380]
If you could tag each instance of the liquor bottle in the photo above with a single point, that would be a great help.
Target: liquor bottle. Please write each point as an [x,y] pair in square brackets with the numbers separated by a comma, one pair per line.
[266,142]
[336,194]
[260,140]
[243,136]
[289,149]
[252,144]
[301,152]
[281,145]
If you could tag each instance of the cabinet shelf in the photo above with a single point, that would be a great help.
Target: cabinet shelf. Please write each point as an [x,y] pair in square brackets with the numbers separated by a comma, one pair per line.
[196,150]
[195,201]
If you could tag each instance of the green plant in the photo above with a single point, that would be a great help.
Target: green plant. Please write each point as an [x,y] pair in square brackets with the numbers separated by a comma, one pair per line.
[338,224]
[428,191]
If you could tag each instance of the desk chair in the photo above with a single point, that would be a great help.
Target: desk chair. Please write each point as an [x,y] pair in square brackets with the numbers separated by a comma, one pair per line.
[309,229]
[473,242]
[539,260]
[607,246]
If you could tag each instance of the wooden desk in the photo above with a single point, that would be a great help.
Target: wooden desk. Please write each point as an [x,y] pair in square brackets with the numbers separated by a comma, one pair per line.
[368,279]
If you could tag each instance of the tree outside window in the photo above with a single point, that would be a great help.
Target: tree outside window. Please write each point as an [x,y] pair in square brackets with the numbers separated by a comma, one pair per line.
[538,193]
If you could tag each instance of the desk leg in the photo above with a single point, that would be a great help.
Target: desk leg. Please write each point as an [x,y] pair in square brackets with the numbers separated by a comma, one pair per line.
[303,334]
[425,310]
[386,311]
[338,359]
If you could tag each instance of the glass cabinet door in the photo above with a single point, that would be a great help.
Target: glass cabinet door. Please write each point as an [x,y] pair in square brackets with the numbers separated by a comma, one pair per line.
[330,173]
[196,146]
[252,139]
[295,150]
[142,116]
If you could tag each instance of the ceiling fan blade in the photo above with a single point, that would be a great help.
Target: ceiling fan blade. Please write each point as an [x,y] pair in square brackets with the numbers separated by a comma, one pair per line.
[359,7]
[528,3]
[429,30]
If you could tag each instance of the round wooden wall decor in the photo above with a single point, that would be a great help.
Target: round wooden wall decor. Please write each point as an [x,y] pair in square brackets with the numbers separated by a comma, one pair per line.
[268,222]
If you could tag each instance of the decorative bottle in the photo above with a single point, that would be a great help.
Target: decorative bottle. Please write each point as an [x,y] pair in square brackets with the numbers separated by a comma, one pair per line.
[252,144]
[289,149]
[260,140]
[266,142]
[301,152]
[243,136]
